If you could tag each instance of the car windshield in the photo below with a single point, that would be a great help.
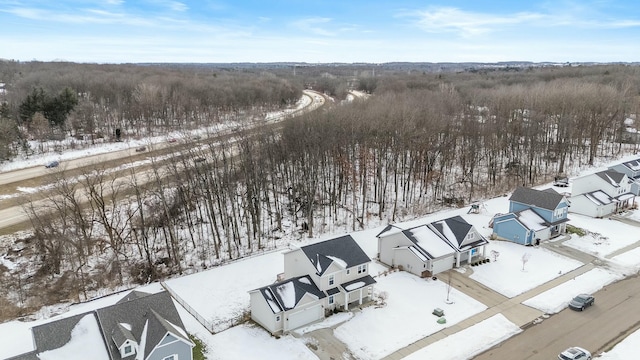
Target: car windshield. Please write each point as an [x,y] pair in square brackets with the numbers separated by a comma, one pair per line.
[563,357]
[581,298]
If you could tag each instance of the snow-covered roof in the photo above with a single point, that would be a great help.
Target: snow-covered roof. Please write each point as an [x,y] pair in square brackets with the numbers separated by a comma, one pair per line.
[343,251]
[599,197]
[429,241]
[455,230]
[286,295]
[531,220]
[358,283]
[633,165]
[84,338]
[611,176]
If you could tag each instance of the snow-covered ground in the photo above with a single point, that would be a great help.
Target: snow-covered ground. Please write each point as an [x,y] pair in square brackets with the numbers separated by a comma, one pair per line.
[407,316]
[220,295]
[510,275]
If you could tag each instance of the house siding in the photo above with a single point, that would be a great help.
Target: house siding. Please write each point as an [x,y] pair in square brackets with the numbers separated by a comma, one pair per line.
[179,348]
[387,244]
[583,206]
[409,262]
[508,228]
[262,314]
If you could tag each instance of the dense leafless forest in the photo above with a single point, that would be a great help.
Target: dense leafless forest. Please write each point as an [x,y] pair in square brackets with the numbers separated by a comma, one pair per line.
[423,141]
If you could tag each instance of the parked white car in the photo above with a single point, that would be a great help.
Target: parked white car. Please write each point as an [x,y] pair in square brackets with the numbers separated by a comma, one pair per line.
[575,353]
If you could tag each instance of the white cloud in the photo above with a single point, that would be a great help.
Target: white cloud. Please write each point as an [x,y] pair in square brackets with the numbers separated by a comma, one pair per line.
[313,25]
[449,19]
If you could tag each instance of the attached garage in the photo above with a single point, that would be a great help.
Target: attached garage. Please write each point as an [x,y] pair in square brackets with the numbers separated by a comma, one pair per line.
[303,317]
[442,264]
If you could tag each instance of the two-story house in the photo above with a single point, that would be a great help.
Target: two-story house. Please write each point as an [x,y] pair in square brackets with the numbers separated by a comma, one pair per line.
[630,168]
[601,194]
[431,248]
[320,277]
[534,216]
[139,326]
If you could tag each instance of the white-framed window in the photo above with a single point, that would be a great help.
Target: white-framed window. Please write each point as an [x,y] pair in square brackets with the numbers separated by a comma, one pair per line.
[362,268]
[278,318]
[128,350]
[470,235]
[331,300]
[332,279]
[171,357]
[348,271]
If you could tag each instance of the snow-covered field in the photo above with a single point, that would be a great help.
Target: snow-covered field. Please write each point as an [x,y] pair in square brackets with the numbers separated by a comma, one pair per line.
[407,316]
[221,294]
[511,276]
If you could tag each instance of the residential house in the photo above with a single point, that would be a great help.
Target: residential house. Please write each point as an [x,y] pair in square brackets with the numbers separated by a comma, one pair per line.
[534,216]
[429,249]
[319,278]
[630,168]
[139,326]
[601,194]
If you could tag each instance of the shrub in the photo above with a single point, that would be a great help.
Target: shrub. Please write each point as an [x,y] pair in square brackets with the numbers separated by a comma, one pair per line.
[576,230]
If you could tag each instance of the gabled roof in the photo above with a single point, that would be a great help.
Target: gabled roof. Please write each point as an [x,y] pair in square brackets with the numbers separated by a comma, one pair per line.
[545,199]
[286,295]
[136,310]
[428,243]
[530,220]
[611,176]
[454,230]
[633,165]
[342,250]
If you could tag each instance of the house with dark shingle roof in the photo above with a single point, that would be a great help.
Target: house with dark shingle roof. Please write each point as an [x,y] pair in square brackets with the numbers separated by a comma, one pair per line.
[601,194]
[430,248]
[534,216]
[139,326]
[630,168]
[320,277]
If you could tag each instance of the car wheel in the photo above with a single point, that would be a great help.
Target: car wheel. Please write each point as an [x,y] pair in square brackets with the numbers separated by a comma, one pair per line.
[582,308]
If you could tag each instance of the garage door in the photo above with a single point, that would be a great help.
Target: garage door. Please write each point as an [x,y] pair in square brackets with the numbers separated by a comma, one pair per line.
[441,265]
[304,317]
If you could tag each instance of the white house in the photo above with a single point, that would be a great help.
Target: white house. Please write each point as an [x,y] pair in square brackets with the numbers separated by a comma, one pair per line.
[630,168]
[321,277]
[601,194]
[429,249]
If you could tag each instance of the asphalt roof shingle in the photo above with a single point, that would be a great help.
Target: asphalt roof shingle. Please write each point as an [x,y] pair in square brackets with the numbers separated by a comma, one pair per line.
[545,199]
[344,248]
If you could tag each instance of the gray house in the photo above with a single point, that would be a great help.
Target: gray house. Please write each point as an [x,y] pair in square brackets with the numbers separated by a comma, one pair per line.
[139,326]
[429,249]
[321,277]
[632,169]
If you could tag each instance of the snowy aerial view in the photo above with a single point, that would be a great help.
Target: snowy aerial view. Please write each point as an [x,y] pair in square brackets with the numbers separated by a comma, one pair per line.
[193,180]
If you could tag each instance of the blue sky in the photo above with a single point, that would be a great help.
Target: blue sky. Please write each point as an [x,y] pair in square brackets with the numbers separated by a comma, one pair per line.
[117,31]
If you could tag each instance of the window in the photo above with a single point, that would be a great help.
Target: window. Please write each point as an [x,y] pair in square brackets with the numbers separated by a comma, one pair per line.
[331,279]
[348,271]
[470,236]
[331,300]
[362,268]
[171,357]
[128,349]
[277,318]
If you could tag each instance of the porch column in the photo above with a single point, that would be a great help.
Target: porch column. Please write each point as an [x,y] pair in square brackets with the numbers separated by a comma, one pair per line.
[458,260]
[346,301]
[360,300]
[484,251]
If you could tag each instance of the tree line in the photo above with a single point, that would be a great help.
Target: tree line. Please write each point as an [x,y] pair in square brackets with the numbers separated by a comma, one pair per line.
[420,144]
